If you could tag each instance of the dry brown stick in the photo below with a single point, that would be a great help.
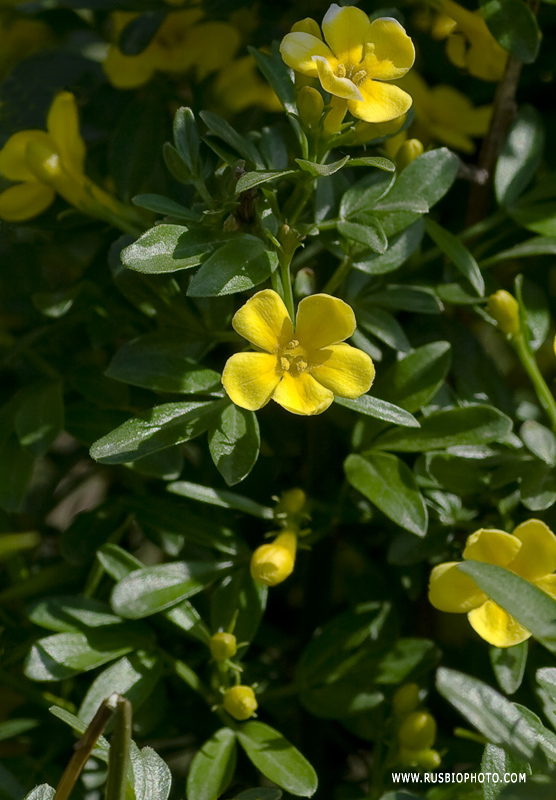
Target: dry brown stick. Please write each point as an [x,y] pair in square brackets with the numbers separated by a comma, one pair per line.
[502,115]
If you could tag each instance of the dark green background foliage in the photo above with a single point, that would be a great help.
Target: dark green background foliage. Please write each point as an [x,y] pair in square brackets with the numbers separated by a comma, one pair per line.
[133,492]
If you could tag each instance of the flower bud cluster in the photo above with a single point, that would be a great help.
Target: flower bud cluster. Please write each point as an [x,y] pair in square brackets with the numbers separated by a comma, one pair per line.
[416,730]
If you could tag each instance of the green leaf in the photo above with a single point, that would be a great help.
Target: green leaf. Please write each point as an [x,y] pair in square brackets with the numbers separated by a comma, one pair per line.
[163,205]
[241,601]
[213,766]
[252,179]
[454,249]
[163,426]
[102,747]
[278,75]
[380,409]
[39,417]
[42,792]
[470,425]
[64,613]
[175,164]
[151,775]
[234,443]
[153,589]
[12,728]
[371,234]
[514,26]
[537,246]
[237,266]
[538,487]
[16,468]
[277,758]
[365,194]
[222,498]
[489,712]
[63,655]
[521,153]
[186,138]
[534,309]
[153,252]
[162,362]
[243,146]
[57,303]
[427,177]
[497,761]
[373,161]
[388,482]
[420,299]
[134,676]
[400,248]
[413,380]
[527,603]
[509,664]
[546,678]
[262,793]
[384,326]
[321,170]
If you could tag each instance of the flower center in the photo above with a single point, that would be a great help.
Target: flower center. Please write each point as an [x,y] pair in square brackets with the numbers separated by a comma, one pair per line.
[292,358]
[356,72]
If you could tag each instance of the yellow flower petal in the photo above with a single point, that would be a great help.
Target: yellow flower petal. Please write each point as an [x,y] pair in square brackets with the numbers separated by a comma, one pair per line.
[492,546]
[127,72]
[264,321]
[210,46]
[393,54]
[302,395]
[340,87]
[298,49]
[25,201]
[381,102]
[307,25]
[63,125]
[346,30]
[345,370]
[496,626]
[250,379]
[547,584]
[323,320]
[13,161]
[453,591]
[537,556]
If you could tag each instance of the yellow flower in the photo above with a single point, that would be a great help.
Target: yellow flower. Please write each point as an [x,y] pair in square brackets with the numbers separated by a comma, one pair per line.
[358,56]
[223,646]
[179,45]
[301,371]
[470,45]
[240,702]
[273,563]
[444,115]
[530,552]
[239,86]
[504,308]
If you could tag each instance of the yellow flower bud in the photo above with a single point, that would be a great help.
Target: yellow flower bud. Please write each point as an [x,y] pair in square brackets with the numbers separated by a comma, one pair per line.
[334,118]
[417,731]
[406,699]
[240,702]
[310,105]
[428,759]
[223,646]
[409,151]
[505,310]
[292,501]
[273,563]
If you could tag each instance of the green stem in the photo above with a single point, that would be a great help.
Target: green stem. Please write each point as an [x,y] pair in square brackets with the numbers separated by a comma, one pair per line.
[338,276]
[119,759]
[287,291]
[529,363]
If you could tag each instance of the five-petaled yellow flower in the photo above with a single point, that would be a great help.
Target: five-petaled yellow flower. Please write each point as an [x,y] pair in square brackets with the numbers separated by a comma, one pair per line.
[358,56]
[301,370]
[530,552]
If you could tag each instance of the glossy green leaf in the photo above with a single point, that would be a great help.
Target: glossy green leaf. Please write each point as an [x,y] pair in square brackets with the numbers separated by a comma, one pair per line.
[186,138]
[163,426]
[153,252]
[538,487]
[278,76]
[514,26]
[527,603]
[534,310]
[66,613]
[497,761]
[163,205]
[277,758]
[222,498]
[388,482]
[454,249]
[321,170]
[373,161]
[241,144]
[102,747]
[370,233]
[252,179]
[241,601]
[160,361]
[407,298]
[40,416]
[471,425]
[509,664]
[427,177]
[537,246]
[365,194]
[521,153]
[413,380]
[400,248]
[213,766]
[234,443]
[153,589]
[237,266]
[384,326]
[380,409]
[42,792]
[151,775]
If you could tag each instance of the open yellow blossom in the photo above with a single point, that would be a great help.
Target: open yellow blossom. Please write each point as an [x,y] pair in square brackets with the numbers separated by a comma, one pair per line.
[181,43]
[301,370]
[469,44]
[444,115]
[530,552]
[355,61]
